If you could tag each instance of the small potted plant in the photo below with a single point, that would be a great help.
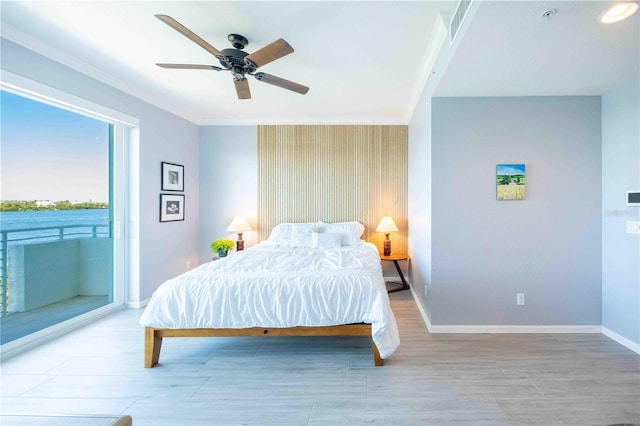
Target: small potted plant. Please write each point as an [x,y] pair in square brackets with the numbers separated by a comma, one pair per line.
[221,247]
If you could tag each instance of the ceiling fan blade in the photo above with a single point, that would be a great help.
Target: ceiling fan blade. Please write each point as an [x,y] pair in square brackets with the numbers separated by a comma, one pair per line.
[189,67]
[242,88]
[188,34]
[281,82]
[270,53]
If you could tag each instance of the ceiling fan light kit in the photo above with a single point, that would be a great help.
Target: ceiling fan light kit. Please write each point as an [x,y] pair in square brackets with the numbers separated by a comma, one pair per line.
[237,61]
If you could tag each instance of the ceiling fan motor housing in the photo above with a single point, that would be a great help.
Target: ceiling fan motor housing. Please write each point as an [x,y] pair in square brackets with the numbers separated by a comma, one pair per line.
[234,59]
[238,41]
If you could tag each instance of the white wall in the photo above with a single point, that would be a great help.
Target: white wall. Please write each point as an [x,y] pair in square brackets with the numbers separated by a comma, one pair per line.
[164,247]
[620,173]
[548,245]
[419,204]
[228,183]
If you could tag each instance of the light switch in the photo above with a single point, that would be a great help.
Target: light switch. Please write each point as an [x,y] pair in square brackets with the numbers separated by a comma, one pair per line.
[633,227]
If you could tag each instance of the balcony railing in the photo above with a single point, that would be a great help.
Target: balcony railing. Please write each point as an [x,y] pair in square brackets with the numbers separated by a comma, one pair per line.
[39,235]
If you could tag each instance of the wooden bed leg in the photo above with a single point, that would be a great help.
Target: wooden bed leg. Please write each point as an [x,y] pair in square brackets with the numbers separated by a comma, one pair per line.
[377,360]
[152,345]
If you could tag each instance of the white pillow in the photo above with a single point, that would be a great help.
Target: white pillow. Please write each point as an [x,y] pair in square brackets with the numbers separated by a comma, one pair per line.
[301,233]
[351,231]
[325,240]
[281,234]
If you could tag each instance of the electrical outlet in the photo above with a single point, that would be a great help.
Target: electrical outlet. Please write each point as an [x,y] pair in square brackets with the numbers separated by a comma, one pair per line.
[188,264]
[520,299]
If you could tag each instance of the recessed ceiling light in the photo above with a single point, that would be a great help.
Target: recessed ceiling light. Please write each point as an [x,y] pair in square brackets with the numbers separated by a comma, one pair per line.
[618,12]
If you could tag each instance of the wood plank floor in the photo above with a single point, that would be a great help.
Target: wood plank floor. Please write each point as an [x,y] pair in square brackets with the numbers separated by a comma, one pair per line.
[532,379]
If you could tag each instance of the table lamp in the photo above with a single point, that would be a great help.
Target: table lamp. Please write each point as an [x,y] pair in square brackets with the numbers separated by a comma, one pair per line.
[387,225]
[239,225]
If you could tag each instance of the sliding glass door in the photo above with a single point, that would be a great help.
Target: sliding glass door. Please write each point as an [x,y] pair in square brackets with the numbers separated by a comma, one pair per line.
[57,235]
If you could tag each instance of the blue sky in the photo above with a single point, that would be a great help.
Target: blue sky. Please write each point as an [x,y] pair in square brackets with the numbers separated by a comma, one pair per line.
[47,153]
[510,169]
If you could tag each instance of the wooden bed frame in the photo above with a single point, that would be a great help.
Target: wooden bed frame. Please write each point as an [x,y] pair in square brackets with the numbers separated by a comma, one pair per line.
[153,336]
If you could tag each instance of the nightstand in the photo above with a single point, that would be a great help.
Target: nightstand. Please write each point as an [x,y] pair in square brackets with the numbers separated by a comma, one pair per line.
[394,258]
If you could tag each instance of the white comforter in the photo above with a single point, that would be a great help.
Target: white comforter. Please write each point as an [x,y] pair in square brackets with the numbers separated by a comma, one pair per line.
[272,286]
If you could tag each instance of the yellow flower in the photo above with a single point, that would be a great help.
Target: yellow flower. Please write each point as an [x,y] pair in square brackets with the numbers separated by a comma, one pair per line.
[223,245]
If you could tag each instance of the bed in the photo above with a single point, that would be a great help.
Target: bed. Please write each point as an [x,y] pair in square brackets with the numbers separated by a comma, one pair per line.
[307,279]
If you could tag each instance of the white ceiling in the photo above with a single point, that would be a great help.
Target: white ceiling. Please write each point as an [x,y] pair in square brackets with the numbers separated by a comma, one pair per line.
[365,61]
[510,50]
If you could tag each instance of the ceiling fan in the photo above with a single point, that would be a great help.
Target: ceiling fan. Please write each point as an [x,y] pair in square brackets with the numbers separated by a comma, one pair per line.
[237,61]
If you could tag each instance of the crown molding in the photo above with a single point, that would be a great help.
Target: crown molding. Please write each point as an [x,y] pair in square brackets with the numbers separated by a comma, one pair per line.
[38,46]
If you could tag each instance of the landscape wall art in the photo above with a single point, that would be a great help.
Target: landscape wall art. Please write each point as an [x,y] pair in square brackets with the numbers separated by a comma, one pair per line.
[510,181]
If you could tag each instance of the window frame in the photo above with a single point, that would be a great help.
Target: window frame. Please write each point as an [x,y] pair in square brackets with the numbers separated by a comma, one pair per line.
[124,139]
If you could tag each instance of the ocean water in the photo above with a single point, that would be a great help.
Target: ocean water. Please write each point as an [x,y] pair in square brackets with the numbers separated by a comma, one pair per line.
[25,221]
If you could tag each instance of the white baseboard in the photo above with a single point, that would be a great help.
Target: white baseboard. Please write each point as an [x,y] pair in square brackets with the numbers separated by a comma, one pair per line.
[476,329]
[423,313]
[523,329]
[137,304]
[622,340]
[592,329]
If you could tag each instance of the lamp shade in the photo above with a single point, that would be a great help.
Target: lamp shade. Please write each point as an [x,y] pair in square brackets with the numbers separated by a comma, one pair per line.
[239,224]
[387,225]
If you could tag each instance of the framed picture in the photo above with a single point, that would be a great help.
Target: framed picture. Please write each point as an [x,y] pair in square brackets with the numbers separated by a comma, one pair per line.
[171,207]
[510,181]
[172,177]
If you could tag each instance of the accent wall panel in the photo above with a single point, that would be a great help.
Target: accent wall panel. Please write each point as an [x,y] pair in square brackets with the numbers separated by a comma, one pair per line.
[333,173]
